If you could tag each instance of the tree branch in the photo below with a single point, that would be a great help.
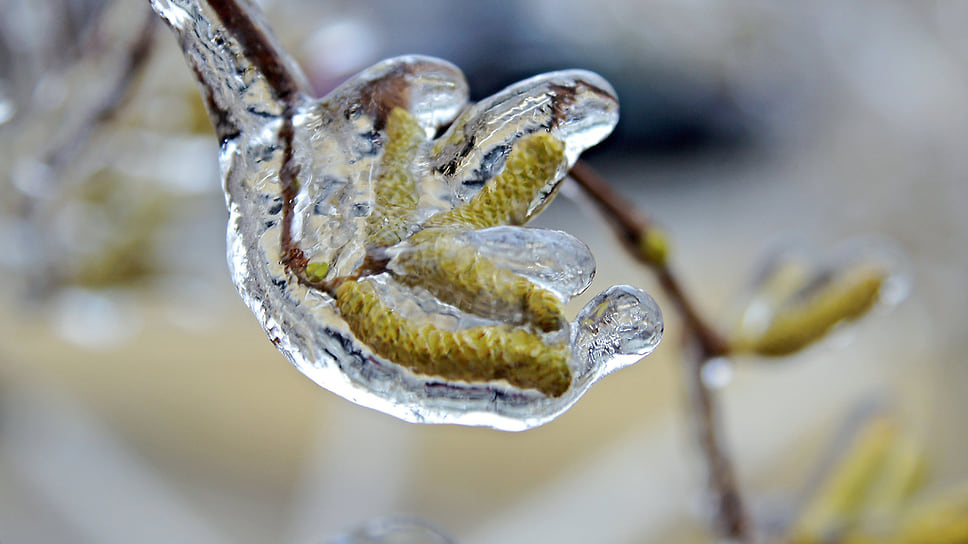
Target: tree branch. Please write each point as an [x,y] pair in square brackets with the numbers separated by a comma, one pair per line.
[132,65]
[244,75]
[645,242]
[259,48]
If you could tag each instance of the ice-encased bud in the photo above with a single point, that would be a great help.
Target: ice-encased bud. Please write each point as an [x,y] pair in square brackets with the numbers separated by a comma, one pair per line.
[798,298]
[391,266]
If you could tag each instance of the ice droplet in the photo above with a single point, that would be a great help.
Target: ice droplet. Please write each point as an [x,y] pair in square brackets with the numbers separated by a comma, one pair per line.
[617,328]
[400,530]
[436,305]
[717,372]
[553,259]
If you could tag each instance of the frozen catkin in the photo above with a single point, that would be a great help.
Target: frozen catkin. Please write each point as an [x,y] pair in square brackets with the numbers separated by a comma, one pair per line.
[483,353]
[458,274]
[324,193]
[511,198]
[817,310]
[395,191]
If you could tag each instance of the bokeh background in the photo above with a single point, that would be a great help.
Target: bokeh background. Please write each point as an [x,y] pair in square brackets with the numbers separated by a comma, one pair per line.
[140,401]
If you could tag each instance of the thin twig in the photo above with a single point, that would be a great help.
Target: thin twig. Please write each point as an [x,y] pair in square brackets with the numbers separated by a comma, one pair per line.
[731,520]
[258,48]
[66,149]
[704,343]
[132,66]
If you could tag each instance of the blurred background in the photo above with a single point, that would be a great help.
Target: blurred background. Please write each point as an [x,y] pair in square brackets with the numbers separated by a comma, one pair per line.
[140,401]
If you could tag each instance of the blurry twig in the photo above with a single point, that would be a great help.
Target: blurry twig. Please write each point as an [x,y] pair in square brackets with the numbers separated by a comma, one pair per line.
[65,150]
[646,243]
[134,61]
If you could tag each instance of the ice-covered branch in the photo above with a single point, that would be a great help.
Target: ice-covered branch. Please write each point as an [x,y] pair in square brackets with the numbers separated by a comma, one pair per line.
[245,77]
[389,260]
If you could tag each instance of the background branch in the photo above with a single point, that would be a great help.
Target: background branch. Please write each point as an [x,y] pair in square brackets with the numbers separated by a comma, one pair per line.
[132,64]
[646,242]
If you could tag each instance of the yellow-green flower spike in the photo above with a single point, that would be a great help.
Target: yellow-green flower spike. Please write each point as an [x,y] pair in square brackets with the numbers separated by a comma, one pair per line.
[509,198]
[901,474]
[834,509]
[476,354]
[943,520]
[395,192]
[457,274]
[810,319]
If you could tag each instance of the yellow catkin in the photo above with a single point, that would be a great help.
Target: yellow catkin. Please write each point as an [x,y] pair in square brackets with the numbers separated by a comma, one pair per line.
[532,165]
[834,509]
[942,520]
[395,191]
[902,473]
[477,354]
[457,274]
[803,323]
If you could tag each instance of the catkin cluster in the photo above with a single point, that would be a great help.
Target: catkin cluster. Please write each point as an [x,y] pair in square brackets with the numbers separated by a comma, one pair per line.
[456,273]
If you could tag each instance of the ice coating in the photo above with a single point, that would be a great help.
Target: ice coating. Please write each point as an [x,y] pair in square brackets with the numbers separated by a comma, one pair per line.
[552,259]
[392,267]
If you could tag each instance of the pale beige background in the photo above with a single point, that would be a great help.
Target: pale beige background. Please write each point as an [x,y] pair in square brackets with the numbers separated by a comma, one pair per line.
[193,429]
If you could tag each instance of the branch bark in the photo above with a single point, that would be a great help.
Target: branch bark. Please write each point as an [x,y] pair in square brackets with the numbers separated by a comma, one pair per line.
[703,343]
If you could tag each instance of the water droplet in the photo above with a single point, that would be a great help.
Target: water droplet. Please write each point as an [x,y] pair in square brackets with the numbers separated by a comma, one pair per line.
[717,372]
[32,178]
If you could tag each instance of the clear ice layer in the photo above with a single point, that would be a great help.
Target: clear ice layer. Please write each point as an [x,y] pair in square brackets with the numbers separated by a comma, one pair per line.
[378,232]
